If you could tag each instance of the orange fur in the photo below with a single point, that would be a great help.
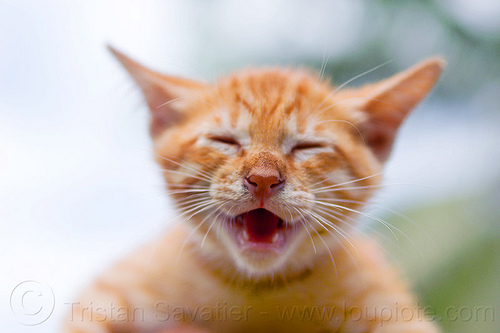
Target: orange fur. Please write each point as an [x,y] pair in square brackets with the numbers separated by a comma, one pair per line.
[263,128]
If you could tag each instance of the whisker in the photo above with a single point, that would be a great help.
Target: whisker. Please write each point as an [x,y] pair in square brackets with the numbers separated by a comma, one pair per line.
[208,206]
[392,211]
[194,201]
[337,228]
[326,246]
[189,197]
[211,225]
[200,186]
[324,223]
[323,67]
[339,216]
[333,188]
[363,187]
[349,81]
[189,97]
[372,230]
[341,232]
[388,225]
[188,175]
[186,241]
[361,75]
[172,101]
[343,121]
[344,183]
[289,212]
[320,76]
[354,225]
[352,99]
[201,208]
[202,173]
[199,172]
[196,206]
[305,227]
[191,207]
[187,191]
[209,228]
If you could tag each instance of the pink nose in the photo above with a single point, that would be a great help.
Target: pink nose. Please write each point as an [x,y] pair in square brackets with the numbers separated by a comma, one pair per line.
[264,182]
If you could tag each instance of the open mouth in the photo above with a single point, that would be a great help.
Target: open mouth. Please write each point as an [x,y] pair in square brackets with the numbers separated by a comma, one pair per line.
[260,230]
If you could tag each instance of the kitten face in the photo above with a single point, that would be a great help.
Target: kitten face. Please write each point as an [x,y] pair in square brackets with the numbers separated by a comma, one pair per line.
[268,166]
[267,149]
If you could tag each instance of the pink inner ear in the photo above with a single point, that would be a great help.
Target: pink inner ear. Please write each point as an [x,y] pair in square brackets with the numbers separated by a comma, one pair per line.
[379,139]
[163,114]
[390,101]
[158,90]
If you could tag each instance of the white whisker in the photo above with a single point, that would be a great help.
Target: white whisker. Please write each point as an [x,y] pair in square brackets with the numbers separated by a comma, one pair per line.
[328,189]
[199,186]
[324,223]
[344,183]
[211,225]
[326,246]
[201,173]
[395,212]
[388,225]
[338,229]
[187,191]
[360,75]
[191,202]
[199,177]
[349,81]
[351,99]
[302,220]
[186,241]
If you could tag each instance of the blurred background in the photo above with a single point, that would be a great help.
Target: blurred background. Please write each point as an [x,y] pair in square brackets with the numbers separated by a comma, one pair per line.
[79,189]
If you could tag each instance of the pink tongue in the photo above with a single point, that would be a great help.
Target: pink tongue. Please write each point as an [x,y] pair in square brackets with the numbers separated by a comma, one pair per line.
[261,225]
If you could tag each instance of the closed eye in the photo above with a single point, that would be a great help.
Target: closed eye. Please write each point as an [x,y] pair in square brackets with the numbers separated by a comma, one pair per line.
[228,140]
[307,146]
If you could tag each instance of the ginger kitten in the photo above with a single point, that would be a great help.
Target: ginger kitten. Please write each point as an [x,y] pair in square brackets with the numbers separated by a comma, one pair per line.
[269,169]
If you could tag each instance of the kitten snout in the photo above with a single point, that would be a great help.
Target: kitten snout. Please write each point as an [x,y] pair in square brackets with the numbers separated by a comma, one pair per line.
[264,182]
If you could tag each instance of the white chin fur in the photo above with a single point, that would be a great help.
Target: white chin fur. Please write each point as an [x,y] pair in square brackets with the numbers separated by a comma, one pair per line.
[261,265]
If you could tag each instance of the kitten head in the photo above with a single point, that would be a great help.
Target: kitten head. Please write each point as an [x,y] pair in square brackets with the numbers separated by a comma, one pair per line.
[269,166]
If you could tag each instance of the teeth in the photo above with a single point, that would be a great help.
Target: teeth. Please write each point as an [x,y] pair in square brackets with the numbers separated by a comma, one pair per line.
[275,238]
[245,235]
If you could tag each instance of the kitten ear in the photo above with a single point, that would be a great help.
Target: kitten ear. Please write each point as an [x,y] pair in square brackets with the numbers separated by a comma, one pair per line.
[388,102]
[159,91]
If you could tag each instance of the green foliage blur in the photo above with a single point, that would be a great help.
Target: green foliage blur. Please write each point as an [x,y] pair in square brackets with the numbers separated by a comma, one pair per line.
[452,250]
[453,255]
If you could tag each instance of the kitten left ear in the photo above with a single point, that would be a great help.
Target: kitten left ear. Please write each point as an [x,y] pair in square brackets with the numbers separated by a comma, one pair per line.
[160,91]
[387,103]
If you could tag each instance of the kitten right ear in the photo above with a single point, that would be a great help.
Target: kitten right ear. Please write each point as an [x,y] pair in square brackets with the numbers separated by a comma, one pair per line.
[387,103]
[160,91]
